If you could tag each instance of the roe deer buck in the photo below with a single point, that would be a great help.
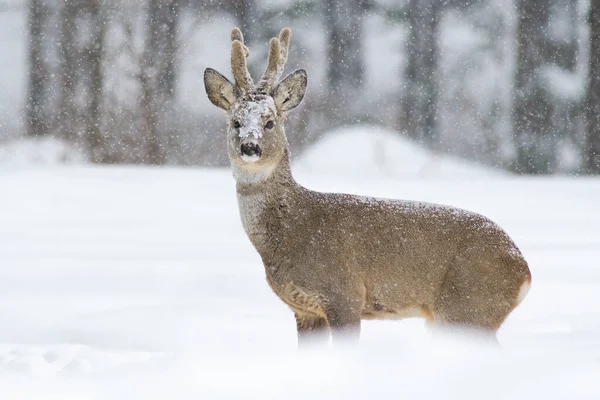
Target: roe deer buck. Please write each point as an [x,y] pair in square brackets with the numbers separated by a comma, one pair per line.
[335,259]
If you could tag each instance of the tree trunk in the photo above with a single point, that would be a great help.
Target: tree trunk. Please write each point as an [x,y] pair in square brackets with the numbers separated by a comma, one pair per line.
[419,104]
[37,99]
[563,50]
[532,112]
[69,70]
[155,91]
[154,150]
[93,129]
[592,148]
[168,77]
[345,71]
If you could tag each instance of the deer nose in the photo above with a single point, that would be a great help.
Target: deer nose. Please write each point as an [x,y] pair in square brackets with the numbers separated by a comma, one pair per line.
[251,150]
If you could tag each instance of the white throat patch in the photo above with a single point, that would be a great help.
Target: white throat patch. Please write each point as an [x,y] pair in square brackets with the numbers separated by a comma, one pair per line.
[251,176]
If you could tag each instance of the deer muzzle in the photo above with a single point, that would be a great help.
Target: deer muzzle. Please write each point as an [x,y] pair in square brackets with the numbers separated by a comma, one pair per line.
[250,150]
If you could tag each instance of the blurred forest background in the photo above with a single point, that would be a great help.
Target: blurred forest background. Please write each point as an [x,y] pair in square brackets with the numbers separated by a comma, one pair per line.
[509,83]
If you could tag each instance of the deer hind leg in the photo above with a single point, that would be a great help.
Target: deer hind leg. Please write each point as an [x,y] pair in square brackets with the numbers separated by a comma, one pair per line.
[470,298]
[312,329]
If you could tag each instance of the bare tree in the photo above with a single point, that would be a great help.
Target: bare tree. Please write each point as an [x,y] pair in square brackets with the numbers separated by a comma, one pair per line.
[568,107]
[93,120]
[157,76]
[345,71]
[542,114]
[169,72]
[39,80]
[419,104]
[592,148]
[532,105]
[82,26]
[563,49]
[69,64]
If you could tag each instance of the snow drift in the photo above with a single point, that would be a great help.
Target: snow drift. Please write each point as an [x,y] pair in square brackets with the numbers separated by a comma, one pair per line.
[119,283]
[371,151]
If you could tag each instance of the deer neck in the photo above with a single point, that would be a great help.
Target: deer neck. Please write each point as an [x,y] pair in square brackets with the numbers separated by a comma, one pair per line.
[264,196]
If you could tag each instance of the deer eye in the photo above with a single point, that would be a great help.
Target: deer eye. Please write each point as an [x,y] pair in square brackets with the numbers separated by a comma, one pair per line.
[270,125]
[236,124]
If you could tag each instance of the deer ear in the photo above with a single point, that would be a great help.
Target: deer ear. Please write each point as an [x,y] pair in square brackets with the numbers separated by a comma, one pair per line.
[220,91]
[290,91]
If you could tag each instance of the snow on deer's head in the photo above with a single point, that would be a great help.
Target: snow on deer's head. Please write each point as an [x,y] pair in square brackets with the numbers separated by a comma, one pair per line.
[256,137]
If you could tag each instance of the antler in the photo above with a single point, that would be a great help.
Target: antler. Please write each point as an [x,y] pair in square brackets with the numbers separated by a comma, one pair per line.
[278,53]
[239,52]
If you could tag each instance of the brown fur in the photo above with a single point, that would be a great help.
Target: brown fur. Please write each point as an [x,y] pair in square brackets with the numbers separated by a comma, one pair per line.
[236,34]
[239,67]
[278,53]
[335,259]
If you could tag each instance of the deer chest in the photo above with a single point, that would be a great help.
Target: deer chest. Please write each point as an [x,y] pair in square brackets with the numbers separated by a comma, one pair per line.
[297,298]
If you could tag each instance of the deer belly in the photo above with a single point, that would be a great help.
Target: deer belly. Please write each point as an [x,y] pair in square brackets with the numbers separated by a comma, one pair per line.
[380,305]
[379,311]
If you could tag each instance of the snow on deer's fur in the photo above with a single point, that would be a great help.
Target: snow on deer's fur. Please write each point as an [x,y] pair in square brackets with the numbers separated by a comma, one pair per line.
[335,259]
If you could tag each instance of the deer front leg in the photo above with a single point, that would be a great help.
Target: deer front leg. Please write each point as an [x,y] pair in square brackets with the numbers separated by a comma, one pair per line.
[344,320]
[312,330]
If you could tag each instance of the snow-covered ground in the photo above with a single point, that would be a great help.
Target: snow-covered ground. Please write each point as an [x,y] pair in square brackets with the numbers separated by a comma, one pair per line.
[123,283]
[140,282]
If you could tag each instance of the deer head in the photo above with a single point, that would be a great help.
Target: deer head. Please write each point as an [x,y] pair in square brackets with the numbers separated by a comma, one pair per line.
[256,136]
